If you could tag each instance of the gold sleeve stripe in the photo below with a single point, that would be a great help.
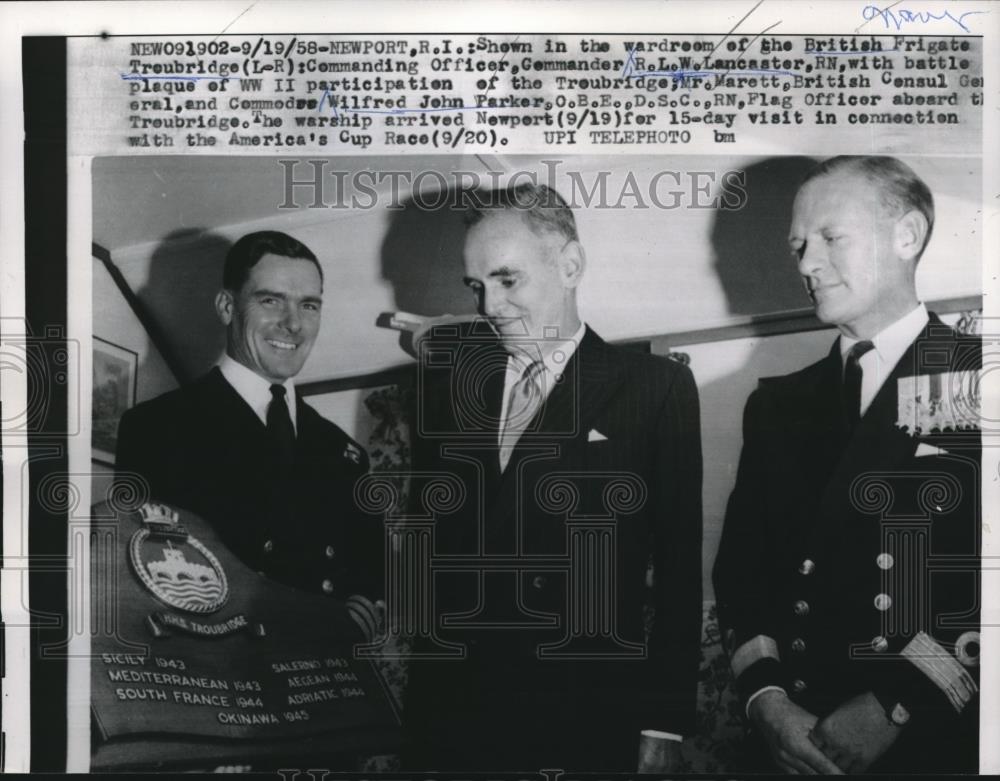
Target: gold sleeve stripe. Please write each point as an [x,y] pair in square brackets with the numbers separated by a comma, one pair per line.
[942,669]
[753,650]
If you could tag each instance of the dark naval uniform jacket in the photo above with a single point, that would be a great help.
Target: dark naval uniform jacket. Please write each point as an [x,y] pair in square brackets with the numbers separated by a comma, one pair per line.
[849,559]
[202,448]
[539,576]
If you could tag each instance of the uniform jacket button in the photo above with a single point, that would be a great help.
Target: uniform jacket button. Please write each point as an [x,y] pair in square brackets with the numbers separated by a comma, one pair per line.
[798,686]
[268,546]
[327,586]
[539,581]
[807,567]
[329,551]
[883,602]
[880,644]
[900,715]
[884,561]
[798,645]
[801,608]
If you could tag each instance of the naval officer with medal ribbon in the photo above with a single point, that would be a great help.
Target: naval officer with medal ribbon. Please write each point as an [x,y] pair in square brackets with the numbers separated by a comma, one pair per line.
[237,447]
[847,576]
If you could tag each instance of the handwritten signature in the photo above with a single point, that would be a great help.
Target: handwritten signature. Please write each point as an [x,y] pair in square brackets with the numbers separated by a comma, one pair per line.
[902,16]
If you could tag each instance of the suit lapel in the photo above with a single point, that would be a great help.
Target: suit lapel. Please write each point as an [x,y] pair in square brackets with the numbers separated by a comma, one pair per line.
[821,416]
[308,446]
[813,433]
[876,444]
[233,455]
[591,377]
[238,419]
[493,400]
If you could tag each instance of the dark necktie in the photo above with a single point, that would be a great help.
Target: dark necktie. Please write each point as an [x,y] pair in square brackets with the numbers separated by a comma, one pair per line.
[280,430]
[852,382]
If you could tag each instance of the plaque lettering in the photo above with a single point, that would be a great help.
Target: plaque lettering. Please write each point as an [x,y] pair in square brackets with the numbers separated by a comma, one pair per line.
[207,691]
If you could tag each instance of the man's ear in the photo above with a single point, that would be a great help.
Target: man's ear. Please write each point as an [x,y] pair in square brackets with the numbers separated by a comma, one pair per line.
[572,262]
[224,305]
[910,234]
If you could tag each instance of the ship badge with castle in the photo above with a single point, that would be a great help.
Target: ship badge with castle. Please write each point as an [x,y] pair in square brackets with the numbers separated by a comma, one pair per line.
[176,567]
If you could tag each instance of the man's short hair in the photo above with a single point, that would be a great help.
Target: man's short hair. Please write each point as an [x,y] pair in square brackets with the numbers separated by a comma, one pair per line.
[249,249]
[542,208]
[900,188]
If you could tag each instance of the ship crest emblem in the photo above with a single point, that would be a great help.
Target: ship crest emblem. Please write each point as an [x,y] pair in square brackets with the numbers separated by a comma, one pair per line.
[176,567]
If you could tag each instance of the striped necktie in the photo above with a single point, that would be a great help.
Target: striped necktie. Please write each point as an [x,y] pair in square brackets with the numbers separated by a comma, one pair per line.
[525,398]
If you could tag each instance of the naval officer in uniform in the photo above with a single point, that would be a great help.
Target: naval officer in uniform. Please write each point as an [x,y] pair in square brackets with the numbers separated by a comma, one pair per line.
[240,449]
[847,575]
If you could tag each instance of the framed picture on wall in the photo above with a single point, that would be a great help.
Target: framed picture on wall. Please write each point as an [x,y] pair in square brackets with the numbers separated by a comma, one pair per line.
[115,370]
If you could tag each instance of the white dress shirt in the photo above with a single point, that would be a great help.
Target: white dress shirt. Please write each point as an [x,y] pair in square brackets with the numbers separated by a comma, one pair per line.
[255,390]
[890,344]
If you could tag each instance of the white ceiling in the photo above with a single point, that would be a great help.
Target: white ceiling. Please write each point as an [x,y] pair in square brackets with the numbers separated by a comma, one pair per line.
[138,200]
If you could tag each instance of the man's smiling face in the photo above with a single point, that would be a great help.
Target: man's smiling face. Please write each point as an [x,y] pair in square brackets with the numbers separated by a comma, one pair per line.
[273,320]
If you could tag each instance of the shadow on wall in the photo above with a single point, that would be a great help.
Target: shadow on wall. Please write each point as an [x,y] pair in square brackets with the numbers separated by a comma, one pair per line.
[758,276]
[750,245]
[185,273]
[422,256]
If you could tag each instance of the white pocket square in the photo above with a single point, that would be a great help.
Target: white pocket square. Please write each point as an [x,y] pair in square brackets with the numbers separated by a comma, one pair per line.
[923,449]
[595,436]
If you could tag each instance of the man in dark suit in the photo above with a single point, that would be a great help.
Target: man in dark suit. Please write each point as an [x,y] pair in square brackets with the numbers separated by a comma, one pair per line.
[579,463]
[847,576]
[238,448]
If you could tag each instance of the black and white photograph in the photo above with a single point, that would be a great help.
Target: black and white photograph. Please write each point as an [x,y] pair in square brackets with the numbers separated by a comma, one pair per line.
[505,399]
[405,258]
